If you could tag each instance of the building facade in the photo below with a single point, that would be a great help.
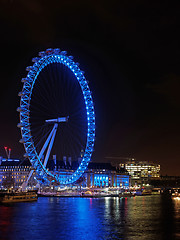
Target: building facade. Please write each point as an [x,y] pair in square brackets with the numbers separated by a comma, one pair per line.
[14,172]
[142,172]
[105,175]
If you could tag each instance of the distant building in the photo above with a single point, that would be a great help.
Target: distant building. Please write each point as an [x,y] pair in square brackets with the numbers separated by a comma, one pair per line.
[167,182]
[141,171]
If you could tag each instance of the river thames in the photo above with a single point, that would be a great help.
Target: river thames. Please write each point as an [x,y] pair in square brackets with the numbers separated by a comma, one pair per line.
[144,217]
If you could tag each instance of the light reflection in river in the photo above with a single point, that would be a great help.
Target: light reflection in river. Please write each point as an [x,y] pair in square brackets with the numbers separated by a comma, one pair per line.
[149,217]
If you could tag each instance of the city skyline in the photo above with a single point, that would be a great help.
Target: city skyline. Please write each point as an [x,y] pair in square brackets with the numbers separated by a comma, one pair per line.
[130,55]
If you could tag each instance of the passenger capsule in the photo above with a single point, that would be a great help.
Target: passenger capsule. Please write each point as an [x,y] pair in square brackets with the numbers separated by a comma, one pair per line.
[29,68]
[49,51]
[36,59]
[71,57]
[23,80]
[19,125]
[26,155]
[19,109]
[57,50]
[22,140]
[42,54]
[63,53]
[20,94]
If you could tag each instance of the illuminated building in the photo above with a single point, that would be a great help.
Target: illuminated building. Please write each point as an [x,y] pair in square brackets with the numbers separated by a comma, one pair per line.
[14,172]
[105,175]
[96,175]
[141,171]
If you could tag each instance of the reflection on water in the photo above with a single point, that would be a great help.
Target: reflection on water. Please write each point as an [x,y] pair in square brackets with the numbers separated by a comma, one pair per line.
[148,217]
[176,202]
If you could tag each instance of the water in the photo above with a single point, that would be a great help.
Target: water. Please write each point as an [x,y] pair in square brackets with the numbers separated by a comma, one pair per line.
[148,217]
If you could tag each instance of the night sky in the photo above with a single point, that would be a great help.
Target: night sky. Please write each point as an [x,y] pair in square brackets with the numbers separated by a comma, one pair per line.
[130,53]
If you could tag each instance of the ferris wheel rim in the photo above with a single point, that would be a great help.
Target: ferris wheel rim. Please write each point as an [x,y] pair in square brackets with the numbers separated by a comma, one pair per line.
[46,58]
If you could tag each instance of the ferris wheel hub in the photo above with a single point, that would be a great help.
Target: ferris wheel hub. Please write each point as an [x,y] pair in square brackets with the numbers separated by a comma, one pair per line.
[58,120]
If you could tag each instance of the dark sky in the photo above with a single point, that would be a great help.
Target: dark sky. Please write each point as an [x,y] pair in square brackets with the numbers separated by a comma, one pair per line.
[130,53]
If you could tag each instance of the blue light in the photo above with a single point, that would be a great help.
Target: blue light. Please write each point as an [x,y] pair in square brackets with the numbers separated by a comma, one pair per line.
[48,57]
[100,180]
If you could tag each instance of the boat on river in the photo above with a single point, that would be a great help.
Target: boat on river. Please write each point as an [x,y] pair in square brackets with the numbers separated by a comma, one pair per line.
[126,194]
[12,197]
[146,192]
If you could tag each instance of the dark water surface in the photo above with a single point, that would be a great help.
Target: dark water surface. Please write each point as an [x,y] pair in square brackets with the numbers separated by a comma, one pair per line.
[149,217]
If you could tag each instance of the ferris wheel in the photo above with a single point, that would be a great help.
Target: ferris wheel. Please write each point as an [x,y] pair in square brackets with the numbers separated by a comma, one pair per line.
[56,115]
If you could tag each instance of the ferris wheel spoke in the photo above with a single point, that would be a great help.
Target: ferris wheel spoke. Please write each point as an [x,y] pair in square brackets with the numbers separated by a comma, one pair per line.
[39,96]
[79,129]
[75,140]
[40,137]
[48,87]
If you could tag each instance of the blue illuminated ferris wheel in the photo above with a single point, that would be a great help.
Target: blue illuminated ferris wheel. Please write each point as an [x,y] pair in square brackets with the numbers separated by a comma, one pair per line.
[56,115]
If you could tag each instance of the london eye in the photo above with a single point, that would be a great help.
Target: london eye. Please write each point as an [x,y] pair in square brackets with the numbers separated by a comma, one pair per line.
[56,115]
